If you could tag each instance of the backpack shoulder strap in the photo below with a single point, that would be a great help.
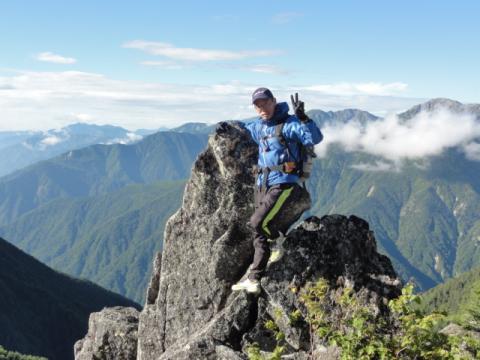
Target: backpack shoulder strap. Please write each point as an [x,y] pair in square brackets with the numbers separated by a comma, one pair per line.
[279,133]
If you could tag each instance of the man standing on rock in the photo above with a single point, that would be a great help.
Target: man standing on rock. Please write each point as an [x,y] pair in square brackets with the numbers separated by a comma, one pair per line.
[284,142]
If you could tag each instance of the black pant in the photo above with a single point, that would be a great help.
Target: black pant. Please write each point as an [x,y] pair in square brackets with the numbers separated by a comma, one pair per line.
[276,209]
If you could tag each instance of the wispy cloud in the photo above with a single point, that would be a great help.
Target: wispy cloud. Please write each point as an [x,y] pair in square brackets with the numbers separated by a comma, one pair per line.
[267,69]
[182,65]
[194,54]
[55,58]
[394,139]
[286,17]
[369,88]
[169,65]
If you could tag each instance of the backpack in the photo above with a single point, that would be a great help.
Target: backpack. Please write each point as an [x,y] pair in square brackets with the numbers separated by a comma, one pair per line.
[303,167]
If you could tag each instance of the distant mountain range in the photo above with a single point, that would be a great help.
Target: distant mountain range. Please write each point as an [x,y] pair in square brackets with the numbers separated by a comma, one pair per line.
[322,118]
[195,128]
[44,312]
[425,217]
[20,149]
[23,148]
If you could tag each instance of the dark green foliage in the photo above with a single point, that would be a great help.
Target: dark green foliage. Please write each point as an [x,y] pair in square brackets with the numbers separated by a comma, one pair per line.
[13,355]
[110,239]
[458,297]
[44,312]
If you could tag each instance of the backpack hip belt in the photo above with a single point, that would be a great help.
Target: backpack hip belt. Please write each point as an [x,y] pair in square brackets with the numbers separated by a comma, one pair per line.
[289,167]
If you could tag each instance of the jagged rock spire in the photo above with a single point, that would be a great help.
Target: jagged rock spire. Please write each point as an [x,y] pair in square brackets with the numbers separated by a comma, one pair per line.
[191,313]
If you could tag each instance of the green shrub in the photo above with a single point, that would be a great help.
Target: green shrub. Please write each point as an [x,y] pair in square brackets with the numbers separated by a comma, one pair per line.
[404,333]
[13,355]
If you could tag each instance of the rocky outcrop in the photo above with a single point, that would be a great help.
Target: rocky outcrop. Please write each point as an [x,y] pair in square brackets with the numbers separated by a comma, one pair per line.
[191,312]
[112,335]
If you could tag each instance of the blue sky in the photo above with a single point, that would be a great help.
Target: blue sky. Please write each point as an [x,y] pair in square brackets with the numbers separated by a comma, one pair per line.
[154,63]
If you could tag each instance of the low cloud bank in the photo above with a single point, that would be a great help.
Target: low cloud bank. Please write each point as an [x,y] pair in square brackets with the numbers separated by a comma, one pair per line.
[394,139]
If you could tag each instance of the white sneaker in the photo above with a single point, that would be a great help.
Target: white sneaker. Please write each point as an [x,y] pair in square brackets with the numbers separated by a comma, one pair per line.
[252,286]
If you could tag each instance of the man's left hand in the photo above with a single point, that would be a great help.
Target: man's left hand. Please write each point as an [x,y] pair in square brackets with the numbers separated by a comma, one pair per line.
[222,127]
[299,108]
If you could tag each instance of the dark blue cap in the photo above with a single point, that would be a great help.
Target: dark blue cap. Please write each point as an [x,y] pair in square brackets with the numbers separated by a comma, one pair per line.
[261,93]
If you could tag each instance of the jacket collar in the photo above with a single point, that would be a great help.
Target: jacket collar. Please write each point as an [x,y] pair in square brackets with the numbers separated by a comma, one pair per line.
[280,114]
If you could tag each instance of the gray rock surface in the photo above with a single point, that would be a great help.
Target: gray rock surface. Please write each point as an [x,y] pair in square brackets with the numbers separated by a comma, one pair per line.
[112,335]
[152,290]
[191,312]
[453,329]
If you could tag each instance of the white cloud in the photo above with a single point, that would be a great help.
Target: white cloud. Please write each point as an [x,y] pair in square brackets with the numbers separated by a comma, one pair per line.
[46,100]
[129,139]
[394,139]
[55,58]
[375,167]
[286,17]
[370,88]
[193,54]
[51,140]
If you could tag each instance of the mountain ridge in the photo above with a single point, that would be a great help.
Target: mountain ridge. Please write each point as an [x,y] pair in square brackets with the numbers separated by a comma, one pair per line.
[158,156]
[36,298]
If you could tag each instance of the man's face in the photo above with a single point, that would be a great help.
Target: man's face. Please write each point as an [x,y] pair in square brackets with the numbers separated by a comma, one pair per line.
[265,108]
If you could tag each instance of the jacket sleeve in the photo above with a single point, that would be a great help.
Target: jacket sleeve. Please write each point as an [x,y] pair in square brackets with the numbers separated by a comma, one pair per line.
[252,128]
[306,133]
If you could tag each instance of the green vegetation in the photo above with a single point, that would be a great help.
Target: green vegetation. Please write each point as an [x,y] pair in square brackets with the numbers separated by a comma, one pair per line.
[402,332]
[459,298]
[406,333]
[110,239]
[425,216]
[43,311]
[13,355]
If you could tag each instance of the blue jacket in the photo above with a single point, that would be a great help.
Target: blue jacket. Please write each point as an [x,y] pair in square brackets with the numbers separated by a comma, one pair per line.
[271,152]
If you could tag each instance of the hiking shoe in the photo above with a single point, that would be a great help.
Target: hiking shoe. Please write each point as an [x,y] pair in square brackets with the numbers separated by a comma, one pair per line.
[252,286]
[277,249]
[276,254]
